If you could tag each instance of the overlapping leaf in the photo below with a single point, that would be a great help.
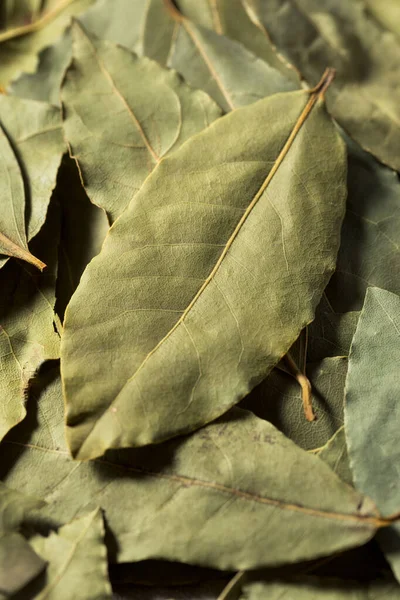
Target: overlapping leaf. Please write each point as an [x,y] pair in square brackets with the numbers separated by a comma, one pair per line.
[372,409]
[239,469]
[220,246]
[150,113]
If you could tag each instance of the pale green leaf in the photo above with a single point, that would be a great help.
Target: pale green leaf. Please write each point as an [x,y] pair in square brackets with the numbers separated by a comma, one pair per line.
[365,97]
[372,410]
[387,12]
[77,560]
[335,454]
[19,563]
[222,497]
[211,273]
[27,335]
[21,43]
[278,400]
[150,112]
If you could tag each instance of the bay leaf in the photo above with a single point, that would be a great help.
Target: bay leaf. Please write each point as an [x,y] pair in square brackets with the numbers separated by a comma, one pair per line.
[278,400]
[387,12]
[21,43]
[34,130]
[224,272]
[13,240]
[319,588]
[239,469]
[19,563]
[335,454]
[77,560]
[145,121]
[232,18]
[372,410]
[27,334]
[364,98]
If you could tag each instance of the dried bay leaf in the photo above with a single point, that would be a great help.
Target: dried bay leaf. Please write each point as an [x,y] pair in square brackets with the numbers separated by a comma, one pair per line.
[335,454]
[239,469]
[364,98]
[77,560]
[387,12]
[278,400]
[372,409]
[21,43]
[19,563]
[146,120]
[27,333]
[247,232]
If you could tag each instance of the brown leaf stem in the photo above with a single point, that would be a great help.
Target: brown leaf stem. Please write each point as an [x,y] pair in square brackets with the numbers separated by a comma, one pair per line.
[305,385]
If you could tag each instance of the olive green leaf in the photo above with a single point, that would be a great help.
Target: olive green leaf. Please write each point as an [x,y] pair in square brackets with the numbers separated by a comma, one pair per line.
[320,588]
[34,130]
[365,97]
[335,454]
[22,41]
[387,12]
[211,273]
[331,332]
[77,560]
[278,400]
[233,19]
[13,240]
[27,335]
[223,68]
[238,470]
[150,112]
[83,229]
[19,563]
[372,409]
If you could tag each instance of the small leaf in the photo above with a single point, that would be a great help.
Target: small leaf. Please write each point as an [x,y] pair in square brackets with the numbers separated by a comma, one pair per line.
[372,410]
[77,560]
[210,274]
[145,122]
[239,469]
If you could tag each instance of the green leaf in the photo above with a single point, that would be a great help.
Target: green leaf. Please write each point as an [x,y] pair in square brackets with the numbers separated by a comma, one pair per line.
[319,588]
[19,563]
[21,43]
[145,121]
[365,97]
[239,470]
[34,130]
[213,279]
[387,12]
[335,454]
[27,335]
[278,400]
[372,410]
[77,560]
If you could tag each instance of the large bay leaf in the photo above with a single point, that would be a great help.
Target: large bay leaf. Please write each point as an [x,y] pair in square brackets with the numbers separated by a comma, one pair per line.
[235,494]
[20,43]
[150,113]
[19,563]
[27,335]
[34,130]
[365,97]
[278,400]
[13,241]
[372,410]
[319,588]
[77,560]
[226,250]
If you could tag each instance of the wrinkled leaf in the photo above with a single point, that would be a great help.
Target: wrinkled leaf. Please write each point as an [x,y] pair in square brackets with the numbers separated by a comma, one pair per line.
[21,43]
[77,560]
[145,121]
[372,409]
[19,563]
[318,588]
[239,469]
[27,335]
[365,97]
[220,246]
[278,400]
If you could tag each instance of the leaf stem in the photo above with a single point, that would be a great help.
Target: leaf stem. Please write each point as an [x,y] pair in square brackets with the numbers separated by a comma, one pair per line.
[10,34]
[305,385]
[9,248]
[233,589]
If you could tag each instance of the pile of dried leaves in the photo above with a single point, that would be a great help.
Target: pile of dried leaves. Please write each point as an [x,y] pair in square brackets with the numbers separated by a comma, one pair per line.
[200,326]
